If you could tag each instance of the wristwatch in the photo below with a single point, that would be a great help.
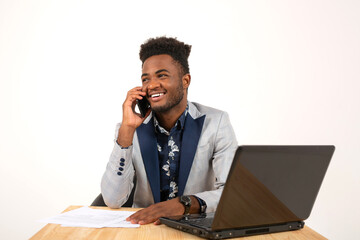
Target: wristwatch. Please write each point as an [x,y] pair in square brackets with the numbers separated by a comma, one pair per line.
[186,201]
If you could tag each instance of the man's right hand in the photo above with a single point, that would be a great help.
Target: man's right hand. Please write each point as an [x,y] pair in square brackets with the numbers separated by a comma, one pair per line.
[131,120]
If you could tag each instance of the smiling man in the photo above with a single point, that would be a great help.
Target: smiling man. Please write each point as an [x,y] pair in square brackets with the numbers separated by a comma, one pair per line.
[179,154]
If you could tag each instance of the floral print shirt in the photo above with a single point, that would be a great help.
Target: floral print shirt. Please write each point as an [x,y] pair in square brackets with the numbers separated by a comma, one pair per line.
[169,145]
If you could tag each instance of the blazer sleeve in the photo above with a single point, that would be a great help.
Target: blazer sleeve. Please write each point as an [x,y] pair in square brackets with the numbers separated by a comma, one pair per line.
[224,150]
[117,181]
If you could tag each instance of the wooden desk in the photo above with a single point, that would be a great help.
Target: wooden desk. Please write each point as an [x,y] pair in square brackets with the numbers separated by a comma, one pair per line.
[150,231]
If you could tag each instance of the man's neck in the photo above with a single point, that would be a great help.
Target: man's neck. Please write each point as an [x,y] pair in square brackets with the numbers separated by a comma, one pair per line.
[168,119]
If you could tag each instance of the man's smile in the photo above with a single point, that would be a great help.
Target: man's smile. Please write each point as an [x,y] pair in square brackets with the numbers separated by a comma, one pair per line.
[156,96]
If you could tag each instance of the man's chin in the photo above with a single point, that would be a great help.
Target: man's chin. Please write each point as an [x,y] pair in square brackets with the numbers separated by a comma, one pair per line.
[167,106]
[160,109]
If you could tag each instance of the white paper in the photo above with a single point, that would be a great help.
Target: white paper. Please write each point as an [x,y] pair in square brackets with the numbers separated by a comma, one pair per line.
[93,218]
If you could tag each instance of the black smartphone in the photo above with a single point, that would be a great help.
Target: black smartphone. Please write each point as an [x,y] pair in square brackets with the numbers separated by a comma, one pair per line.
[143,106]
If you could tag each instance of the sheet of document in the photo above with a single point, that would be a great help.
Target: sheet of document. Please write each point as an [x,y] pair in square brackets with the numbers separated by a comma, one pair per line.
[93,218]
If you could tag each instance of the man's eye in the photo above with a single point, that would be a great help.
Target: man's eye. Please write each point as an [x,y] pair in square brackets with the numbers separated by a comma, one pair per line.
[144,79]
[162,75]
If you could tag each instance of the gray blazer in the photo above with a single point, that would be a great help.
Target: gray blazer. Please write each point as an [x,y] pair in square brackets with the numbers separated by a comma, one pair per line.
[207,150]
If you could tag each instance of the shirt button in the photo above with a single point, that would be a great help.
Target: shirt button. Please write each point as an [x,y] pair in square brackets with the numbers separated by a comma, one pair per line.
[122,160]
[119,173]
[121,169]
[122,164]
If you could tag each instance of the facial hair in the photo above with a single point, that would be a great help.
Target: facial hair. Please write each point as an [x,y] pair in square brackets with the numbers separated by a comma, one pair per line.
[174,100]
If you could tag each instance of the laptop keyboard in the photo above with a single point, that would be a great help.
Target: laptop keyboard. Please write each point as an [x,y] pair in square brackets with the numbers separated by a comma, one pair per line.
[199,222]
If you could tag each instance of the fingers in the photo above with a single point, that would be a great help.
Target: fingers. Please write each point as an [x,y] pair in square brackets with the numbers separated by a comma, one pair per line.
[133,95]
[154,212]
[138,91]
[130,118]
[144,216]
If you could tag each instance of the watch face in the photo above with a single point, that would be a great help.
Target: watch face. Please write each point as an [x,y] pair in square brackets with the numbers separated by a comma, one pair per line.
[186,200]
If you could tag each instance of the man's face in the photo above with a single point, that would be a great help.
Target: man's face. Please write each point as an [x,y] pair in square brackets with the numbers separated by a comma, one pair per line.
[163,82]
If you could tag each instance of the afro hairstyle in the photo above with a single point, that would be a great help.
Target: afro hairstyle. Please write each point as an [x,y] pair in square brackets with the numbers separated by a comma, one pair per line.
[179,51]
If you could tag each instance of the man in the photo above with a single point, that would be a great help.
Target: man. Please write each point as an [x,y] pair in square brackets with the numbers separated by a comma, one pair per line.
[179,153]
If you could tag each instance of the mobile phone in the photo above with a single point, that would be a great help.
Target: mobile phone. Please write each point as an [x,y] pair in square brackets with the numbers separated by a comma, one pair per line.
[143,106]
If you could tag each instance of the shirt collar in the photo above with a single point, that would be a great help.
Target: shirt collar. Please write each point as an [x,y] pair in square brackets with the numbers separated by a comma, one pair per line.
[180,123]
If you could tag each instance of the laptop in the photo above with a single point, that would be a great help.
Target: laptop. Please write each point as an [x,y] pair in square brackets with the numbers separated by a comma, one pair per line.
[269,189]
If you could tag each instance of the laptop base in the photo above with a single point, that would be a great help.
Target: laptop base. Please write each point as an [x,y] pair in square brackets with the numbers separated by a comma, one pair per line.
[231,233]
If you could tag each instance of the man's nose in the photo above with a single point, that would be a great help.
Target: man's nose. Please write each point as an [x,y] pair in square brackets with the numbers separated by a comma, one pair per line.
[153,84]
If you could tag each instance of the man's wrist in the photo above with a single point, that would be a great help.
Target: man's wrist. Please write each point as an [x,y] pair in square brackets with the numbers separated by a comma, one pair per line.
[122,146]
[197,205]
[202,204]
[125,136]
[186,202]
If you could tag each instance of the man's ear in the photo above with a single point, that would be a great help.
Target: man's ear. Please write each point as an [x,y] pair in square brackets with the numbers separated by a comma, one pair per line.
[186,79]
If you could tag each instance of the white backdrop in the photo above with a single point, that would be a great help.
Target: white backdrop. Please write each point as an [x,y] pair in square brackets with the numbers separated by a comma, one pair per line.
[287,72]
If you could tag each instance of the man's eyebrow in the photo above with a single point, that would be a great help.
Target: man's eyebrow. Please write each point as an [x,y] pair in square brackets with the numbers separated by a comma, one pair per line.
[158,71]
[161,70]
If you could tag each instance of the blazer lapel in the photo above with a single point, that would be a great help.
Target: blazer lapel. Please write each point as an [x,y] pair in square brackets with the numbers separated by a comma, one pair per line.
[190,140]
[149,153]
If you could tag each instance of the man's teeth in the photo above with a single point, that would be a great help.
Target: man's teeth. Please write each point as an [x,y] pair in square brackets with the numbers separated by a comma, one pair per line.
[157,95]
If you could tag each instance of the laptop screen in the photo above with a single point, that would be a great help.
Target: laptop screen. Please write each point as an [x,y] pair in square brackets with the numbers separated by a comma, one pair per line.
[270,185]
